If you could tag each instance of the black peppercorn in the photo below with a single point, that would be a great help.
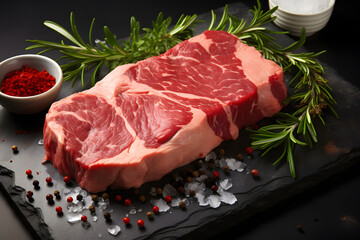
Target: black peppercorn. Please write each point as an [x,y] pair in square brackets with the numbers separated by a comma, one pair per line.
[191,193]
[181,190]
[226,170]
[158,191]
[79,197]
[107,216]
[29,194]
[36,184]
[150,215]
[182,204]
[92,209]
[49,197]
[15,149]
[105,196]
[95,198]
[142,198]
[57,194]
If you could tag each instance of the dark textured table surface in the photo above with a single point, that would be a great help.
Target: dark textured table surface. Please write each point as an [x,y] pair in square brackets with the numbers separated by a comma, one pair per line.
[328,211]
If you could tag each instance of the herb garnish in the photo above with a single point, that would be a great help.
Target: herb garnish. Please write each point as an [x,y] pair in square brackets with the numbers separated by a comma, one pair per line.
[312,93]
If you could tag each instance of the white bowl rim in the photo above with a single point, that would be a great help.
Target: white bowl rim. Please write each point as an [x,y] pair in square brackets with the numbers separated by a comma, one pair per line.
[57,81]
[331,5]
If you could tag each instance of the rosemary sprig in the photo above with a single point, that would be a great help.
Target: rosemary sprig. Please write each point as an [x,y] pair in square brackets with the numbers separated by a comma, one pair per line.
[312,93]
[82,57]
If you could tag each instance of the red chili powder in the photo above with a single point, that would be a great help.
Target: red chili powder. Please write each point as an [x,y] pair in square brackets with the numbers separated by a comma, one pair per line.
[27,82]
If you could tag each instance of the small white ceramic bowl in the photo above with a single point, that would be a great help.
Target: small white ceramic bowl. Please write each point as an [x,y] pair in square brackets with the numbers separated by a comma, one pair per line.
[294,20]
[36,103]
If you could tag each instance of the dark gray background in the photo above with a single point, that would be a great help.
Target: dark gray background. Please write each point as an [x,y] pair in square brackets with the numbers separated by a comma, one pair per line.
[337,198]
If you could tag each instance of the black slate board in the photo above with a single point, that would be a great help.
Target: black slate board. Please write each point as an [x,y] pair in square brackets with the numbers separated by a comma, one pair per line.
[253,195]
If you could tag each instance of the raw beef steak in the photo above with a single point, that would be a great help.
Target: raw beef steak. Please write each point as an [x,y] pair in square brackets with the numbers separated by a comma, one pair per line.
[143,120]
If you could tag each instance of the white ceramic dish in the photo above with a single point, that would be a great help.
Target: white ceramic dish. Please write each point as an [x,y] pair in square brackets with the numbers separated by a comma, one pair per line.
[36,103]
[294,22]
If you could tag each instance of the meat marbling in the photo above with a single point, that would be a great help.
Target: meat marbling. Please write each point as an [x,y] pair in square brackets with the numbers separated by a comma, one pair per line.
[143,120]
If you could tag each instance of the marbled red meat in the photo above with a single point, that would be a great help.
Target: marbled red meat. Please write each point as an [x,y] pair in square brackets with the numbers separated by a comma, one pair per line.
[143,120]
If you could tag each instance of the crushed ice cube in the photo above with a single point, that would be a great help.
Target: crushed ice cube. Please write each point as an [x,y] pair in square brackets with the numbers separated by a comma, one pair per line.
[161,204]
[195,186]
[175,202]
[214,201]
[169,190]
[73,217]
[77,207]
[200,195]
[41,142]
[102,205]
[94,218]
[226,183]
[113,229]
[227,197]
[233,164]
[77,189]
[83,192]
[99,235]
[132,211]
[210,156]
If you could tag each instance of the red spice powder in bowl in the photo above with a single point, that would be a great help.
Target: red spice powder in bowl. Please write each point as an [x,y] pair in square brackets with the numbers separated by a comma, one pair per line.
[29,83]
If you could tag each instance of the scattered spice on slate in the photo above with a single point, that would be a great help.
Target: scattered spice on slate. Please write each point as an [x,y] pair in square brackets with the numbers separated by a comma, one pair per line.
[79,197]
[168,198]
[181,190]
[182,204]
[142,198]
[127,202]
[58,209]
[27,81]
[214,188]
[91,208]
[105,196]
[140,223]
[84,218]
[36,184]
[189,179]
[11,161]
[215,174]
[49,197]
[254,172]
[69,199]
[15,149]
[300,228]
[29,194]
[57,194]
[211,165]
[249,150]
[67,179]
[195,174]
[136,191]
[95,198]
[155,209]
[221,151]
[240,156]
[107,216]
[48,180]
[150,215]
[191,193]
[226,170]
[126,220]
[28,172]
[118,197]
[158,191]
